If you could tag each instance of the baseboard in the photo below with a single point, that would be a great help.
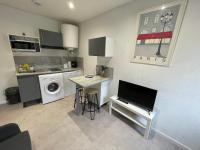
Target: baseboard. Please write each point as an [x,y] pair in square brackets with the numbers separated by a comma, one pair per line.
[3,102]
[172,140]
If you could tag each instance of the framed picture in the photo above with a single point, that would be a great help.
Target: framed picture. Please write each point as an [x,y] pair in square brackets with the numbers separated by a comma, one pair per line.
[157,33]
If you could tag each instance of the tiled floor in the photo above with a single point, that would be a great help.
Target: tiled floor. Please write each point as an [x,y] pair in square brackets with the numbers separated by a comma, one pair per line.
[54,126]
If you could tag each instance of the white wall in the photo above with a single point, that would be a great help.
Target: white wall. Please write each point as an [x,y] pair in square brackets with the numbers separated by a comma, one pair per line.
[178,85]
[13,21]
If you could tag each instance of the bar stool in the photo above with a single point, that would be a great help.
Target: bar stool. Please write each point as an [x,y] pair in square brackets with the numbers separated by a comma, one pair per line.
[78,100]
[91,97]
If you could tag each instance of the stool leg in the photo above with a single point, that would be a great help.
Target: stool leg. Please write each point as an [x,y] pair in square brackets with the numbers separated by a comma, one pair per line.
[74,102]
[90,106]
[75,98]
[84,105]
[80,97]
[91,103]
[98,107]
[94,104]
[81,94]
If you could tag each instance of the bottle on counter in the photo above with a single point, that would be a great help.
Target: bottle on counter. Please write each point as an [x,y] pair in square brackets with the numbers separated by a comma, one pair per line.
[69,64]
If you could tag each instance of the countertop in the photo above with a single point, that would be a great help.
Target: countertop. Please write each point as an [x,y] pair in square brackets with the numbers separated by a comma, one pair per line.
[86,82]
[46,72]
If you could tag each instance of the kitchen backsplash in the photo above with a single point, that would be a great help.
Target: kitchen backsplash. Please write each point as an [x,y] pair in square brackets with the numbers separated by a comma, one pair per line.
[106,72]
[40,62]
[104,61]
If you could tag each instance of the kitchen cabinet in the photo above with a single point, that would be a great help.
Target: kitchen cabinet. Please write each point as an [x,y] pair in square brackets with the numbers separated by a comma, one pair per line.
[102,46]
[29,88]
[49,39]
[69,86]
[103,90]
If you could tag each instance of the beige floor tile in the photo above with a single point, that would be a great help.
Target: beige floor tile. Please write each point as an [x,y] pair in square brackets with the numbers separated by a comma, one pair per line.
[55,126]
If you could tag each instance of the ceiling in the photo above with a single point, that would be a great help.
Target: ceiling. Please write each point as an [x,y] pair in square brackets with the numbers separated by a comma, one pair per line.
[58,9]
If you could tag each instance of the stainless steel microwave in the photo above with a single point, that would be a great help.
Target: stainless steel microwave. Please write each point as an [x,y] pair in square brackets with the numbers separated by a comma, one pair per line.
[24,44]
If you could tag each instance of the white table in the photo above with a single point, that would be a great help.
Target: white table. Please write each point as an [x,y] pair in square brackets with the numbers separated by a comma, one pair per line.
[148,116]
[102,83]
[88,82]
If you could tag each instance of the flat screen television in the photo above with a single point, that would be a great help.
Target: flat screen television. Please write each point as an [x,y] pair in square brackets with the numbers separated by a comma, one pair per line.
[141,96]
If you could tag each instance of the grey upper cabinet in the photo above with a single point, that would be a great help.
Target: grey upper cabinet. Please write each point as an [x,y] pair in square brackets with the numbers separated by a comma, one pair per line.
[97,46]
[49,39]
[102,46]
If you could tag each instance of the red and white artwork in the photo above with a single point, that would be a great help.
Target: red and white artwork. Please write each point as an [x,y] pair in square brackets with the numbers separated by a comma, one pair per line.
[157,30]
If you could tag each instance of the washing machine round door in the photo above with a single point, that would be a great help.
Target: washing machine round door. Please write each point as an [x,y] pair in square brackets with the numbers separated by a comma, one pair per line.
[53,87]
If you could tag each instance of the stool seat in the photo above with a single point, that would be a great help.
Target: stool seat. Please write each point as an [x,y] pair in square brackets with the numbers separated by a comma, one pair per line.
[91,91]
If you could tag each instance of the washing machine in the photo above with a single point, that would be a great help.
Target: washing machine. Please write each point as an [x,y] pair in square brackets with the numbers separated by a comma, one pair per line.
[51,86]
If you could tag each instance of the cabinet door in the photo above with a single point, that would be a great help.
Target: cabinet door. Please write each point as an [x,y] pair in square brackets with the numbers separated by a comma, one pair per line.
[29,88]
[49,39]
[69,86]
[103,97]
[97,46]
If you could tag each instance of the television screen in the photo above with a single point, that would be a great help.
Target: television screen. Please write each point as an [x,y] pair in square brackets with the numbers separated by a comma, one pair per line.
[136,94]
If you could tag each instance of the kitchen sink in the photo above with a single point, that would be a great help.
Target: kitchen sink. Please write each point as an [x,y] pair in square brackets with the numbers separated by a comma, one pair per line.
[55,69]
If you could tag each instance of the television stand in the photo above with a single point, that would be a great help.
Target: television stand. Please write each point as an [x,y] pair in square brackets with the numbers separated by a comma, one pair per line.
[127,110]
[124,101]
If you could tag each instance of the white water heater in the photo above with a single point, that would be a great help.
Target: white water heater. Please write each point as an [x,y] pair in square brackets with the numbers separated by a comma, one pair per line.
[70,36]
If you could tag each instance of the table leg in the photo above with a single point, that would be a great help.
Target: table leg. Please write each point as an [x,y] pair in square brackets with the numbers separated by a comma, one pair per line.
[148,129]
[110,107]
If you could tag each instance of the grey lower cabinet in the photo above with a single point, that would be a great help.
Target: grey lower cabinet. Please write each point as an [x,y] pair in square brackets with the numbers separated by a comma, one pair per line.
[29,88]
